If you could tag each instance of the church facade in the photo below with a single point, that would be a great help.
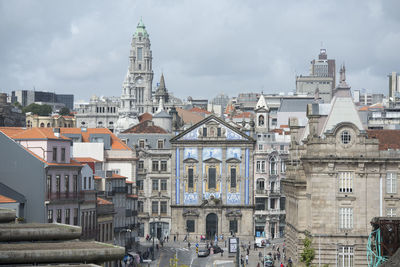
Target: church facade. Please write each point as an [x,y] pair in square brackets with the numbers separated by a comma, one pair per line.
[212,181]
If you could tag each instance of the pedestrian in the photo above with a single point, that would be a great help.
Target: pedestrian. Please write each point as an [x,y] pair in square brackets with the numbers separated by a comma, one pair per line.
[225,242]
[260,255]
[258,264]
[279,256]
[189,245]
[281,265]
[247,259]
[290,262]
[174,238]
[273,246]
[248,251]
[167,239]
[255,246]
[241,261]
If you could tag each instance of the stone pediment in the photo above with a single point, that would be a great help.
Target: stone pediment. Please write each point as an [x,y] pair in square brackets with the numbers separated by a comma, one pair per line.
[233,160]
[212,160]
[190,160]
[190,212]
[212,128]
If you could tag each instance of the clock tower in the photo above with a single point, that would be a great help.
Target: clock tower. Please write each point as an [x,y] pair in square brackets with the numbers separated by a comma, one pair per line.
[136,89]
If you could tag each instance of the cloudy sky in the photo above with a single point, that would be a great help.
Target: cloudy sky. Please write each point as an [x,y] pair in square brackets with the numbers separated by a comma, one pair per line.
[202,47]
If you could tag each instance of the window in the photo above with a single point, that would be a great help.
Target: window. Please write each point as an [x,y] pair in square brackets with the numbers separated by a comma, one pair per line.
[282,147]
[260,184]
[90,182]
[59,215]
[48,185]
[84,183]
[345,182]
[160,144]
[274,122]
[154,207]
[233,177]
[75,183]
[391,212]
[154,186]
[190,178]
[42,125]
[163,185]
[212,183]
[272,203]
[345,256]
[62,154]
[190,226]
[67,216]
[58,184]
[260,166]
[54,154]
[163,166]
[140,53]
[218,132]
[76,216]
[346,218]
[141,143]
[66,184]
[154,166]
[391,183]
[140,165]
[163,207]
[233,226]
[204,132]
[139,184]
[140,206]
[272,166]
[283,166]
[260,203]
[345,137]
[50,216]
[260,147]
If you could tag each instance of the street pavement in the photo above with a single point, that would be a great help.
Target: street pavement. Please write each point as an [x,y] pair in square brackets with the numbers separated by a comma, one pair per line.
[188,256]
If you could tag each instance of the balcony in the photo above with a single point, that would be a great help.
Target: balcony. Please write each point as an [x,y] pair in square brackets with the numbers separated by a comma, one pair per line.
[275,192]
[120,189]
[71,196]
[142,171]
[261,192]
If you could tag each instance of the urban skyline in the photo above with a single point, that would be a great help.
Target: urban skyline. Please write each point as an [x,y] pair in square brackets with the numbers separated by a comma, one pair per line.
[84,51]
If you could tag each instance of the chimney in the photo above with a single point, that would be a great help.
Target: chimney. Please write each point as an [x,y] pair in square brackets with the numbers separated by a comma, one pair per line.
[56,132]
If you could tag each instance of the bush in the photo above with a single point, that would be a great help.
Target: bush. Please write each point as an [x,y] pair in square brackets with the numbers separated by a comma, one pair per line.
[41,110]
[308,254]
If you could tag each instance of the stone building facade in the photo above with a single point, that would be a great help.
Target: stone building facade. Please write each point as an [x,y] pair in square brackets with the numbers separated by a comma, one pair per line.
[10,116]
[212,181]
[54,121]
[339,177]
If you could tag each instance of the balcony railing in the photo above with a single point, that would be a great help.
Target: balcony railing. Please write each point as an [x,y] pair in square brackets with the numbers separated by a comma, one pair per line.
[65,196]
[261,191]
[275,192]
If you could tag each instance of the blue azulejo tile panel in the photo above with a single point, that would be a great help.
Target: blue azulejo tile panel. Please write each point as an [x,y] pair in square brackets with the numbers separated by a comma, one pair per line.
[212,152]
[190,153]
[233,199]
[233,153]
[190,199]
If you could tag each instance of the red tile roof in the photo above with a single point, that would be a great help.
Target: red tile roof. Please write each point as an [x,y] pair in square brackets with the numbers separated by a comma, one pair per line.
[145,127]
[32,133]
[145,117]
[101,201]
[116,143]
[117,176]
[132,196]
[388,139]
[199,110]
[86,159]
[97,177]
[189,117]
[129,182]
[4,199]
[243,115]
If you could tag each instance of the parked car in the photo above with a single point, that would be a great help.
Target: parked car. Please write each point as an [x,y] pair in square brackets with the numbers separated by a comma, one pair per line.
[203,252]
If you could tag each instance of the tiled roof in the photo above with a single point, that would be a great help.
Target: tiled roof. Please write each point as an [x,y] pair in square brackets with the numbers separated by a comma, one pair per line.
[145,117]
[117,176]
[145,127]
[243,115]
[32,133]
[189,117]
[132,196]
[97,177]
[116,143]
[388,139]
[86,159]
[199,110]
[229,108]
[4,199]
[129,182]
[101,201]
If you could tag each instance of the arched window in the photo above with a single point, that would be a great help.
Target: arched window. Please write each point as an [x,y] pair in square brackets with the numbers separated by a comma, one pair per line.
[42,125]
[100,124]
[28,124]
[261,120]
[260,184]
[48,125]
[272,166]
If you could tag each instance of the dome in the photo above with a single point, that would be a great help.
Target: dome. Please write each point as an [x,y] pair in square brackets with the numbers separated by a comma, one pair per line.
[126,121]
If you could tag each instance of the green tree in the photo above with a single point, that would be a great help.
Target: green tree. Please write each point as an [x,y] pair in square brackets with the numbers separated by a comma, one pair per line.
[64,111]
[18,105]
[308,254]
[41,110]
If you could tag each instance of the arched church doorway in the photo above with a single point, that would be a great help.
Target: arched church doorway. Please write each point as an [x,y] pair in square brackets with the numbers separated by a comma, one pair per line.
[211,226]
